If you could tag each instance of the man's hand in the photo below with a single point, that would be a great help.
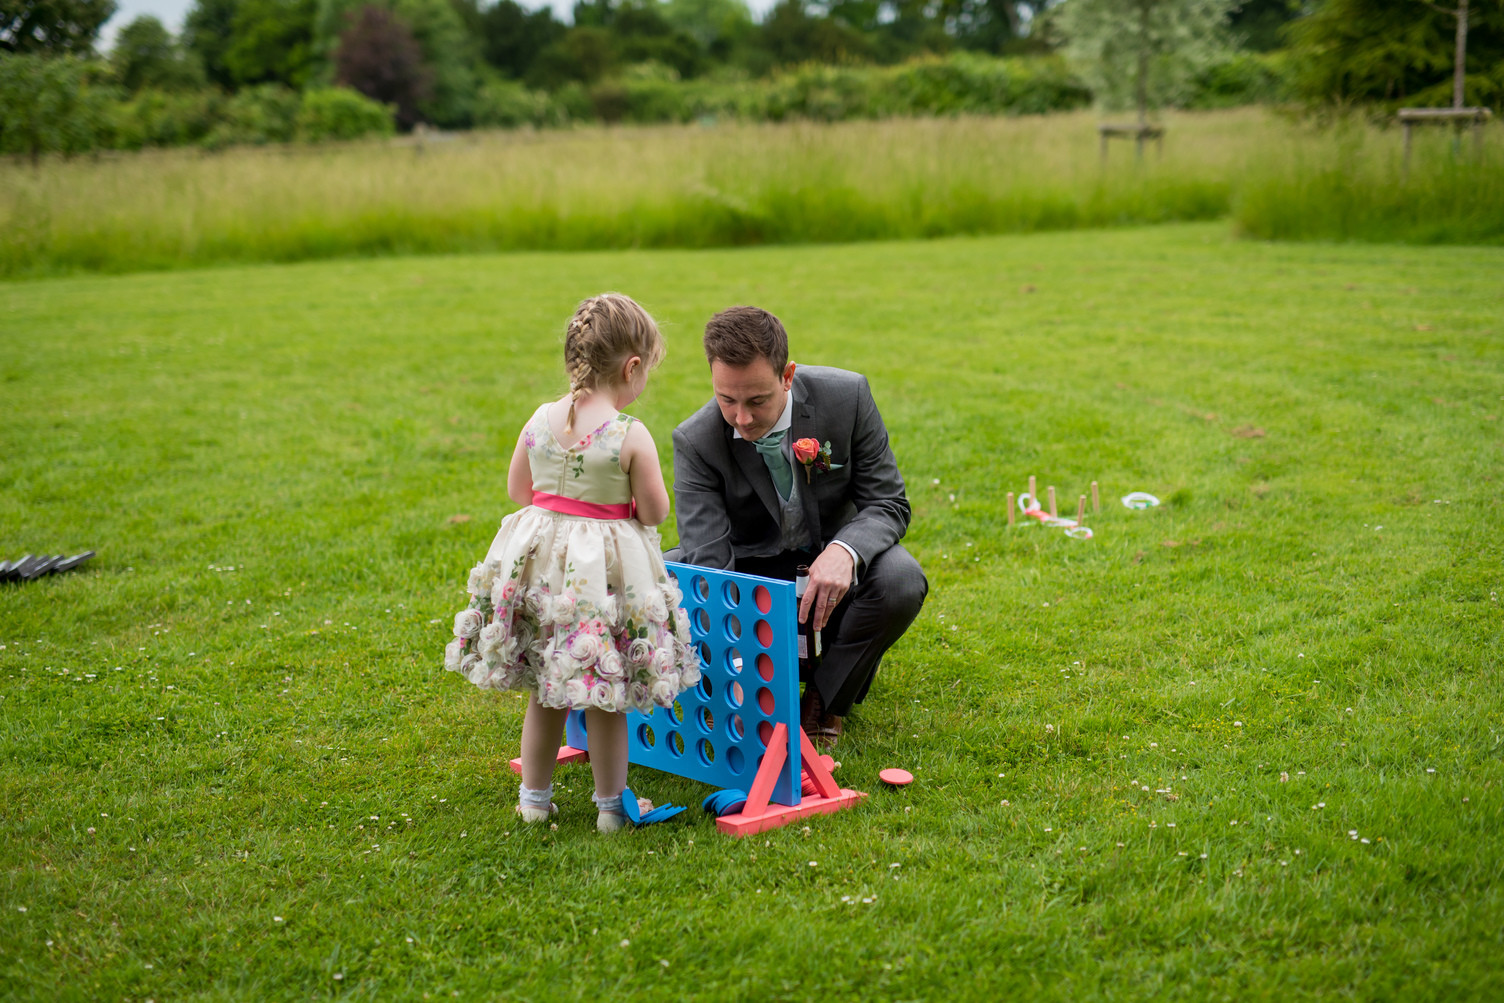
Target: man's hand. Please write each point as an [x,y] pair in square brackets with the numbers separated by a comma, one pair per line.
[829,581]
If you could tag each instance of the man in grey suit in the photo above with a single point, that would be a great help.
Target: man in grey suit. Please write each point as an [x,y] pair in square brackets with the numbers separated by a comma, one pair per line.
[747,500]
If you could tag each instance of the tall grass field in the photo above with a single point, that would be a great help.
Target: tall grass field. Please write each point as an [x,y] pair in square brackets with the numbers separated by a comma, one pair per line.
[738,184]
[1246,745]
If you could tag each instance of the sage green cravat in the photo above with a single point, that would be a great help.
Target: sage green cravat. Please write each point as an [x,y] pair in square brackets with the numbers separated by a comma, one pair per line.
[770,447]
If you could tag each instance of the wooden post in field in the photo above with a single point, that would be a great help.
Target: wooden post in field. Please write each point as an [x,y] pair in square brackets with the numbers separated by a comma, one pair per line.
[1033,493]
[1054,512]
[1081,511]
[1010,508]
[1096,502]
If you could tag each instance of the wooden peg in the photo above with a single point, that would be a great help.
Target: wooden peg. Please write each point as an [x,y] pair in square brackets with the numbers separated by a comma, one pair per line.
[1054,512]
[1033,493]
[1096,503]
[1010,508]
[1081,511]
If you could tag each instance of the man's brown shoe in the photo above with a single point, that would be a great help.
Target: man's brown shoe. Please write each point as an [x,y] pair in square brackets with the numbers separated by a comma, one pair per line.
[826,732]
[823,729]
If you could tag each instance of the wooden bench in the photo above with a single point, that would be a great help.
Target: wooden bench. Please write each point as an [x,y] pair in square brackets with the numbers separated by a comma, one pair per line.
[1459,117]
[1139,132]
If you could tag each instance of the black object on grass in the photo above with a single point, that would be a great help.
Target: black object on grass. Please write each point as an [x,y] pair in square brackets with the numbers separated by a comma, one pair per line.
[12,569]
[40,567]
[34,566]
[68,564]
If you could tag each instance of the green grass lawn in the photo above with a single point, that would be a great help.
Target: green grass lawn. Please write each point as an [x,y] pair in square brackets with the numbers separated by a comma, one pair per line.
[235,769]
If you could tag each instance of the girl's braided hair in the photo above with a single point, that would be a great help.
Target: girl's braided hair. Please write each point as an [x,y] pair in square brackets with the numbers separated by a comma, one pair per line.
[604,332]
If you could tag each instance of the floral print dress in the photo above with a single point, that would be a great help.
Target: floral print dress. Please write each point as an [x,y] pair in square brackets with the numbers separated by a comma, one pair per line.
[579,611]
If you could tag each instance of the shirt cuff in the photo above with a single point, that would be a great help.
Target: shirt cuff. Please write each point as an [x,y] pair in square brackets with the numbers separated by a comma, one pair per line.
[856,562]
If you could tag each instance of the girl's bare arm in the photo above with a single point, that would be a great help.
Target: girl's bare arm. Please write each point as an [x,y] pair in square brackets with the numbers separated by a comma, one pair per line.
[520,476]
[639,459]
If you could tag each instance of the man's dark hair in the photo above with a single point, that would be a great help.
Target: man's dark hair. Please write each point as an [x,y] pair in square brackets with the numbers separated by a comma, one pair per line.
[743,334]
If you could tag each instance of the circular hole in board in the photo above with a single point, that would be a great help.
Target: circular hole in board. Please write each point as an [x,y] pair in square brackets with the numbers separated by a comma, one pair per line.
[703,650]
[700,587]
[700,621]
[735,761]
[764,734]
[733,661]
[762,598]
[733,595]
[764,632]
[765,667]
[706,720]
[734,728]
[733,627]
[676,713]
[645,736]
[706,751]
[675,744]
[765,701]
[734,695]
[706,687]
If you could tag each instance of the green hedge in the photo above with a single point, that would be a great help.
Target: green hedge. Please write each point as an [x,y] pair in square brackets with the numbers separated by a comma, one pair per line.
[51,105]
[1244,78]
[961,83]
[157,118]
[255,116]
[508,104]
[958,84]
[332,113]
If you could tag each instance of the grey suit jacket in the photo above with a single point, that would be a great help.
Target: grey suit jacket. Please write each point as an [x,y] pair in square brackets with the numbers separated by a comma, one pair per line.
[724,500]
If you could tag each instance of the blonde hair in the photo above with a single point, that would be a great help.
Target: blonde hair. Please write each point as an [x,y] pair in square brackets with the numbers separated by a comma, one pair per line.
[604,332]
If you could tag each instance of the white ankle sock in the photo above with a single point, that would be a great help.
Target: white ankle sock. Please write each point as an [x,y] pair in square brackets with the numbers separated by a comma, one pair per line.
[611,817]
[534,806]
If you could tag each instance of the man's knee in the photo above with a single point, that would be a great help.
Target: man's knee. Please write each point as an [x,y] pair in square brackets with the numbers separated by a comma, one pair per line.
[901,582]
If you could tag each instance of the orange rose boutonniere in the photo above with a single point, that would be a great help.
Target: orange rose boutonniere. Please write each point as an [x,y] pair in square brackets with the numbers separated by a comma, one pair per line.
[814,457]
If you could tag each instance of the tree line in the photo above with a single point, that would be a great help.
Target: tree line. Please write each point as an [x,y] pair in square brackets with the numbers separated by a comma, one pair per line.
[273,70]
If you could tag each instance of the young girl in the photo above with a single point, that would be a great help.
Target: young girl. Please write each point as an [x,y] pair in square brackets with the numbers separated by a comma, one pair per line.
[572,602]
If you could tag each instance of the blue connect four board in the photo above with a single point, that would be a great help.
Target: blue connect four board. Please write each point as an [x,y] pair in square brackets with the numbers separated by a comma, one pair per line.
[745,629]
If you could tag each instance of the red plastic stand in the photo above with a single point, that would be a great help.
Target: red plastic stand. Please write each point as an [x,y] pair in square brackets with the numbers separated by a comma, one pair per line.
[567,754]
[759,816]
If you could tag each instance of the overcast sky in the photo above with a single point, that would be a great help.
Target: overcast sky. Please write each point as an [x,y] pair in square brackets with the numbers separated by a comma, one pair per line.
[172,12]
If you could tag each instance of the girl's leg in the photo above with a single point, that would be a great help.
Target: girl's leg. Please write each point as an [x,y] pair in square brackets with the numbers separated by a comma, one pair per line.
[608,762]
[542,727]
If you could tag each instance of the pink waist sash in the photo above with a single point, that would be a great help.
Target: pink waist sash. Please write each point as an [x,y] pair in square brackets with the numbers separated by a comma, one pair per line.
[573,506]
